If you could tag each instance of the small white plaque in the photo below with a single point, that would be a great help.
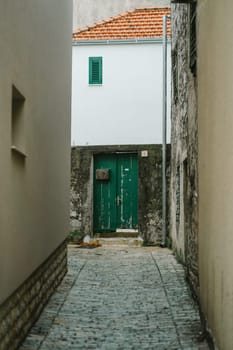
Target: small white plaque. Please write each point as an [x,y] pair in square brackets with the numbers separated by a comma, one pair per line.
[144,153]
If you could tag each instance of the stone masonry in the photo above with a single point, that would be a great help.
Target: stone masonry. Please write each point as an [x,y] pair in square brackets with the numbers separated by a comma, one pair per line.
[184,148]
[20,310]
[149,191]
[119,298]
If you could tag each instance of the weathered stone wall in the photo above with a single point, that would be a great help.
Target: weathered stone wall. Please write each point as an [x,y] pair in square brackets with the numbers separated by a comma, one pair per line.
[150,188]
[81,190]
[184,151]
[22,309]
[150,194]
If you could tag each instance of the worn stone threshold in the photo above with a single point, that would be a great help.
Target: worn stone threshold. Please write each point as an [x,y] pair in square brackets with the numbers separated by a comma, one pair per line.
[126,241]
[117,234]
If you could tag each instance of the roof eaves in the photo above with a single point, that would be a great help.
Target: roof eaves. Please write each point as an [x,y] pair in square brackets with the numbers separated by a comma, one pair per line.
[118,41]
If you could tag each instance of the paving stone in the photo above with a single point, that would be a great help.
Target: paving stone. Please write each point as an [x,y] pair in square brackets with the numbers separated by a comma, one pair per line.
[114,298]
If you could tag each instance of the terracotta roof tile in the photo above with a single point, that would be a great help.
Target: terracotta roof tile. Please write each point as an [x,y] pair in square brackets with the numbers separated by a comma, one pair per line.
[139,23]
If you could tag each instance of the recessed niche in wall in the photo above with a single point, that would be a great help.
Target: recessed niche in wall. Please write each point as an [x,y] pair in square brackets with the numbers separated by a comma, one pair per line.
[18,132]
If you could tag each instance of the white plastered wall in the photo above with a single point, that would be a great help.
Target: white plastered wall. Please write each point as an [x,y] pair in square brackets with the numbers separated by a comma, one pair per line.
[127,107]
[35,46]
[215,123]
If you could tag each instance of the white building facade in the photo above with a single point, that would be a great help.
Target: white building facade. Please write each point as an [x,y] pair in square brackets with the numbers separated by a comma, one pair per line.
[117,113]
[127,107]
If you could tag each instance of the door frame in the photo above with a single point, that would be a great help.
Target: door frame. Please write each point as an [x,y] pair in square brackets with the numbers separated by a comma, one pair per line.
[116,154]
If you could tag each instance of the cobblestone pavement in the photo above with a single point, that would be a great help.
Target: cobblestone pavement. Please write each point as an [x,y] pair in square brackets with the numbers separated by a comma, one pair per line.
[119,298]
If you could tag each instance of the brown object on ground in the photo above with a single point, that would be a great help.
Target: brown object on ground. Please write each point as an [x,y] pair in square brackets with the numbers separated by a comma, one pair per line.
[89,245]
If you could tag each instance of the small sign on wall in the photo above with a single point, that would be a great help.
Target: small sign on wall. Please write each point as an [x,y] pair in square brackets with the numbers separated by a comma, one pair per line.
[102,174]
[144,153]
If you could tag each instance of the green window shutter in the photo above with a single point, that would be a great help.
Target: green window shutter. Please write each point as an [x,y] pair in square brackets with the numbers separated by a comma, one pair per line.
[95,70]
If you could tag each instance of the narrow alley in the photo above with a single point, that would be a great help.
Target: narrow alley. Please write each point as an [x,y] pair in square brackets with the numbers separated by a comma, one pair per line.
[119,297]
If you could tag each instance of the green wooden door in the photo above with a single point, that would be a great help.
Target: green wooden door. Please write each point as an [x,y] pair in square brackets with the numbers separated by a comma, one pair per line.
[115,192]
[104,193]
[127,191]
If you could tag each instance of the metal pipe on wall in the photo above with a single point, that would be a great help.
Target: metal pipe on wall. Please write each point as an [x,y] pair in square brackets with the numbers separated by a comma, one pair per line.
[164,132]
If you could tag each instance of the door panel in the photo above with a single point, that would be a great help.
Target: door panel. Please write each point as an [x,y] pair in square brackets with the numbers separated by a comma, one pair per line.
[115,192]
[105,195]
[127,191]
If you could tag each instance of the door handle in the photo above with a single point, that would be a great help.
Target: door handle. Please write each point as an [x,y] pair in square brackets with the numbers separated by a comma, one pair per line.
[118,200]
